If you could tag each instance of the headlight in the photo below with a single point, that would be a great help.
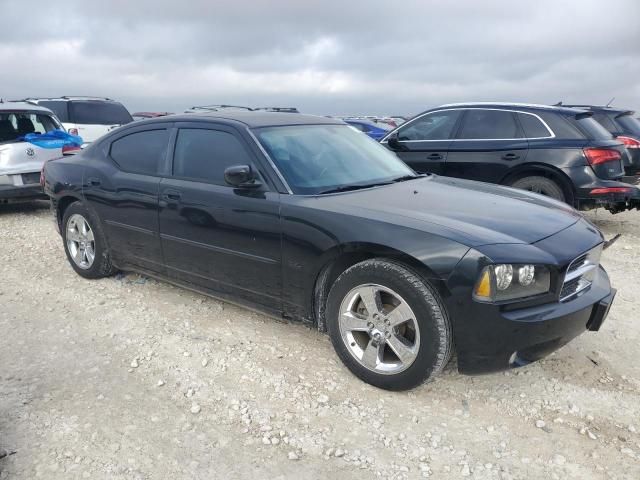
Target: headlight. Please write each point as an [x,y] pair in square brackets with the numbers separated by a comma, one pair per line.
[511,281]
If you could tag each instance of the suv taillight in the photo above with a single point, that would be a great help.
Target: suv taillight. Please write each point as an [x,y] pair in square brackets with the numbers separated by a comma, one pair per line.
[70,149]
[73,131]
[629,142]
[598,156]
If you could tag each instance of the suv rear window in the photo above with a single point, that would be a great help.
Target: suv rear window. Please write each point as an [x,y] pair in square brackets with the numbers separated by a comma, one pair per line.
[58,107]
[594,130]
[98,112]
[14,125]
[629,123]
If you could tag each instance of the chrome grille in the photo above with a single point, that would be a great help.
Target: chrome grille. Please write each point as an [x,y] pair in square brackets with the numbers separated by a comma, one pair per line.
[580,273]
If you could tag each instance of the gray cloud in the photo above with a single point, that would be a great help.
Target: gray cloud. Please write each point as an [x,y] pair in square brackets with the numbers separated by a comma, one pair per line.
[323,56]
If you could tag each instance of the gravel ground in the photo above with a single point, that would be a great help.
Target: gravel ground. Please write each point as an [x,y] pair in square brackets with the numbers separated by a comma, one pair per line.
[130,378]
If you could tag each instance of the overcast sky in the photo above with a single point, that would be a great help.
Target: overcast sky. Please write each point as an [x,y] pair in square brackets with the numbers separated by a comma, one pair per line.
[340,57]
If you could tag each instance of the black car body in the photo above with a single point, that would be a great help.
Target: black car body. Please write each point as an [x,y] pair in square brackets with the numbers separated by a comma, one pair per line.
[622,125]
[282,244]
[556,151]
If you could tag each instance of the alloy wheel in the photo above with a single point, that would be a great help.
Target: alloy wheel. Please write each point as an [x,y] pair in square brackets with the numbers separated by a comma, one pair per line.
[80,241]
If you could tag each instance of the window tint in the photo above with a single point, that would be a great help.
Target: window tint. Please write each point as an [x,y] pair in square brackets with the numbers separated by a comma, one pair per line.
[561,126]
[98,112]
[432,126]
[205,154]
[594,130]
[479,124]
[58,107]
[532,126]
[141,152]
[604,120]
[629,123]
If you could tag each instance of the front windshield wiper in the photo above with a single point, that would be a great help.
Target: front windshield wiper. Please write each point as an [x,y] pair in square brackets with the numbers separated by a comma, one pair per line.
[346,188]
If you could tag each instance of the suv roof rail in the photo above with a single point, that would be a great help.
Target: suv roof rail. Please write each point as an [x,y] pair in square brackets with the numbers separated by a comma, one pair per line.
[215,107]
[70,97]
[278,109]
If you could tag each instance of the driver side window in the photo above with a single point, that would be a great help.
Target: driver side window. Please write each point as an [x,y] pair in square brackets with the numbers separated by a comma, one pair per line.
[432,126]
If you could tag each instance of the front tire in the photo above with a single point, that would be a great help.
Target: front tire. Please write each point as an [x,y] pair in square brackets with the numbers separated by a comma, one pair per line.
[85,244]
[388,325]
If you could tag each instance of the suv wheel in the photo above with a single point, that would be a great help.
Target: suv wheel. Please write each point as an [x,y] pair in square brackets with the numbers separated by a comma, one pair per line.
[541,185]
[84,243]
[388,325]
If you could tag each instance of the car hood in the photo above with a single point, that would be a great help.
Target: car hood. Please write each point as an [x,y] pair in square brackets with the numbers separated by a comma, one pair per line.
[472,213]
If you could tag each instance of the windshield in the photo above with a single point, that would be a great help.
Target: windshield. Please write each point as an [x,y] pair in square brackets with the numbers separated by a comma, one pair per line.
[98,112]
[14,125]
[320,158]
[629,123]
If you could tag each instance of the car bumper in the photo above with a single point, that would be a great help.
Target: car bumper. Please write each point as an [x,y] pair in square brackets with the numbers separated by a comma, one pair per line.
[21,193]
[510,339]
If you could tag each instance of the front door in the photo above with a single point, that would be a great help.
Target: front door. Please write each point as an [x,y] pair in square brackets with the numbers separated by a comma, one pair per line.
[213,235]
[488,144]
[423,142]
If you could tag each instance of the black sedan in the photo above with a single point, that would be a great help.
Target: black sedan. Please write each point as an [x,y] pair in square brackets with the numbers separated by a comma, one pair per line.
[306,219]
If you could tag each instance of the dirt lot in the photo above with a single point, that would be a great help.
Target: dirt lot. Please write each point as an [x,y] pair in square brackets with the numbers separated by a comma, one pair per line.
[130,378]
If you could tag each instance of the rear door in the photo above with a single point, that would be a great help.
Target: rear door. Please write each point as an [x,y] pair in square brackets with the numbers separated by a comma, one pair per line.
[121,184]
[488,144]
[424,141]
[215,236]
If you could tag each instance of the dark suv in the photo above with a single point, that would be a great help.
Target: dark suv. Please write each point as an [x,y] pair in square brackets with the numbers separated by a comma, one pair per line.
[559,152]
[622,125]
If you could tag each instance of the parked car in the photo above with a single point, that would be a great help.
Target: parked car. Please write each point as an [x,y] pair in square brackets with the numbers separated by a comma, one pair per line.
[554,151]
[21,160]
[373,130]
[304,218]
[622,125]
[88,117]
[145,115]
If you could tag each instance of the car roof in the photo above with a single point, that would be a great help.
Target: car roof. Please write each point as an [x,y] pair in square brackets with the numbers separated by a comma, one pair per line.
[68,98]
[251,119]
[5,106]
[510,105]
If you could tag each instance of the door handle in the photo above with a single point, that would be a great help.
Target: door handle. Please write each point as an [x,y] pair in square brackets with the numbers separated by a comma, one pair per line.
[510,156]
[94,182]
[171,195]
[434,156]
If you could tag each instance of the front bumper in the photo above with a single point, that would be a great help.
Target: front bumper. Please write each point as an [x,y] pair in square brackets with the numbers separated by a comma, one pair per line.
[506,339]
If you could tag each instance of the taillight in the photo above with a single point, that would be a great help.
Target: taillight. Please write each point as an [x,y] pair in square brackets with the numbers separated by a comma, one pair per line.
[629,142]
[603,191]
[70,149]
[73,131]
[598,156]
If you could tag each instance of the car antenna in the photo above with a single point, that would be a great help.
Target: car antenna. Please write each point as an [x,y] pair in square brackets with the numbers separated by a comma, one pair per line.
[610,102]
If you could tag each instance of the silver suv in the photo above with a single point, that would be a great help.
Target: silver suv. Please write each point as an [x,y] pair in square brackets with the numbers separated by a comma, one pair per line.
[21,161]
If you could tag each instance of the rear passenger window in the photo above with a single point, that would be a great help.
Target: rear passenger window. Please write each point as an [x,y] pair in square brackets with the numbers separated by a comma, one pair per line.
[532,126]
[141,152]
[204,155]
[432,126]
[481,124]
[561,126]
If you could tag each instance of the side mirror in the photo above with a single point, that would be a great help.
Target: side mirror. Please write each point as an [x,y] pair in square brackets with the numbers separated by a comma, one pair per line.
[241,176]
[393,142]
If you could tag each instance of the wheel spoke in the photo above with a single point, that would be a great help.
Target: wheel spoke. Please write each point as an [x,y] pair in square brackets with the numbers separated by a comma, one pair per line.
[73,235]
[90,254]
[370,296]
[90,235]
[350,322]
[400,314]
[404,352]
[78,255]
[371,354]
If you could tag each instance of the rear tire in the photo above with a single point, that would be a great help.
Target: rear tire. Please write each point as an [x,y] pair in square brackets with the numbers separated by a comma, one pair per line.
[542,185]
[84,243]
[402,339]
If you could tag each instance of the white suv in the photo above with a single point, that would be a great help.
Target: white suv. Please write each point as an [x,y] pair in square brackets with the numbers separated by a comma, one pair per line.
[88,117]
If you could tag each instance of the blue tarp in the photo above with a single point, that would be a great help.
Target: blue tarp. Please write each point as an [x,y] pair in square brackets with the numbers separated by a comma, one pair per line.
[52,139]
